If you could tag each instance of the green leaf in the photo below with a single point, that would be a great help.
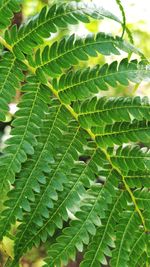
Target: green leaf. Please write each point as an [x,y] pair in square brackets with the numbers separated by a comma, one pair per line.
[70,51]
[75,235]
[7,8]
[10,80]
[96,112]
[122,132]
[100,245]
[49,21]
[22,142]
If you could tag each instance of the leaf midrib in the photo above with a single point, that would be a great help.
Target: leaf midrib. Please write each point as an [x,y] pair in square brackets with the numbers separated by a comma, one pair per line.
[44,22]
[65,199]
[30,176]
[122,131]
[103,76]
[41,197]
[113,108]
[95,42]
[89,214]
[22,139]
[123,237]
[106,226]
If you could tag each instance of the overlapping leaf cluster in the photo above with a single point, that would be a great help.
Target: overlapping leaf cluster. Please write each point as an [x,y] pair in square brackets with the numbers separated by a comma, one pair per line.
[75,172]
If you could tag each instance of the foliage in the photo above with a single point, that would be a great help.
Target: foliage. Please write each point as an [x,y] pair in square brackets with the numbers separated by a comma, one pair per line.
[75,170]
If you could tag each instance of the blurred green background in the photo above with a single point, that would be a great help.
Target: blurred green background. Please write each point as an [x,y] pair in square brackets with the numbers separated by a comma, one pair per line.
[138,21]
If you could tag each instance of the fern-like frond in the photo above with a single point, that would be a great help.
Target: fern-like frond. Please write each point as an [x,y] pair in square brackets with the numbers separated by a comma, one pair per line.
[49,21]
[73,158]
[126,154]
[100,245]
[143,199]
[7,10]
[27,125]
[105,239]
[138,179]
[130,158]
[128,223]
[87,82]
[70,146]
[138,249]
[95,112]
[70,51]
[122,132]
[33,173]
[10,81]
[143,258]
[83,174]
[80,229]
